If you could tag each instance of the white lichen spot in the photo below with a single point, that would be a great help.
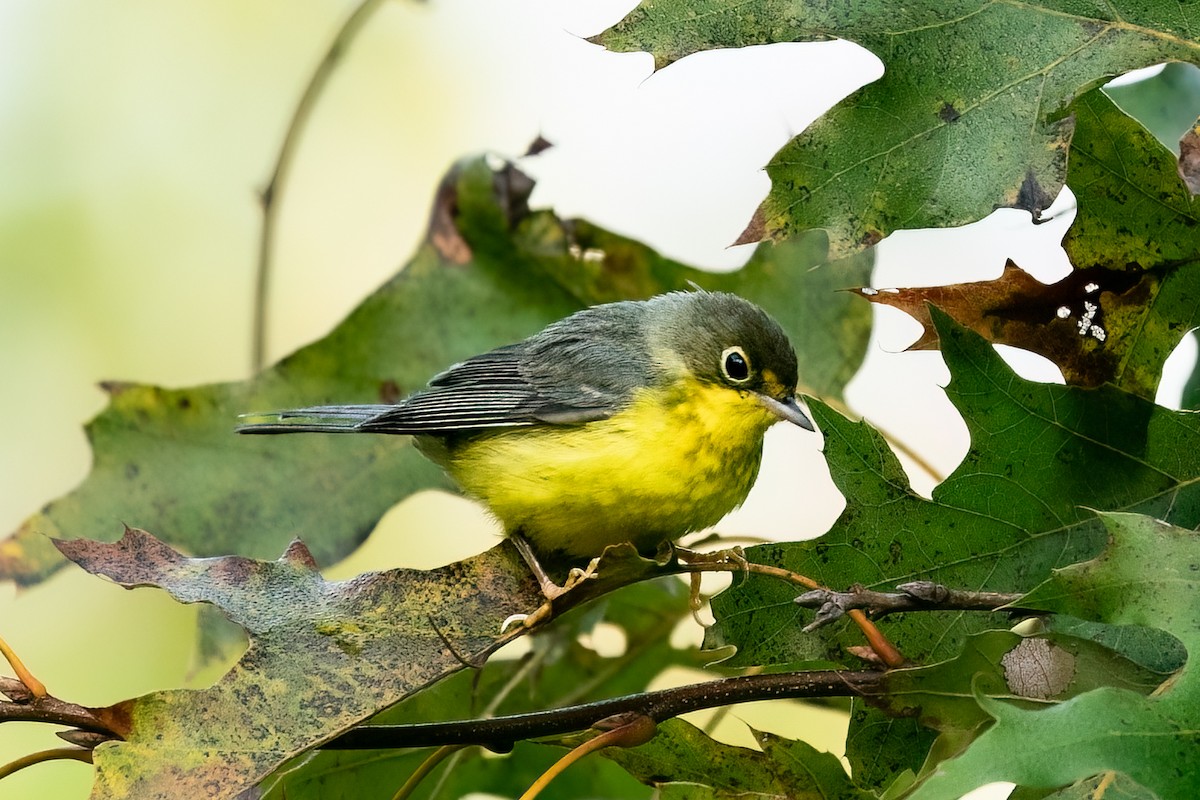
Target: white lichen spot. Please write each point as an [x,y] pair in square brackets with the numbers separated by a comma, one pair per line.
[1063,312]
[1099,333]
[1085,322]
[1091,287]
[868,291]
[891,291]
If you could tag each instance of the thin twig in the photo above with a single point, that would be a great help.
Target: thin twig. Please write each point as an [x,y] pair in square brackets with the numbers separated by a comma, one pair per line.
[501,732]
[427,766]
[914,596]
[631,733]
[884,649]
[54,754]
[269,198]
[27,708]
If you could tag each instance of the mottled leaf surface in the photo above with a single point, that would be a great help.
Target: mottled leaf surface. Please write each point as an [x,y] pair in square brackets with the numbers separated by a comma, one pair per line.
[1147,576]
[490,272]
[683,762]
[1011,512]
[970,114]
[323,656]
[559,671]
[1136,244]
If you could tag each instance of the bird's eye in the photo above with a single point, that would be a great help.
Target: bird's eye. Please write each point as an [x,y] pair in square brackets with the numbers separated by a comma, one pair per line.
[735,365]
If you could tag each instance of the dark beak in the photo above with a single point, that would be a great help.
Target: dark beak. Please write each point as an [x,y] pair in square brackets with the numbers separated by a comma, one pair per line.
[789,410]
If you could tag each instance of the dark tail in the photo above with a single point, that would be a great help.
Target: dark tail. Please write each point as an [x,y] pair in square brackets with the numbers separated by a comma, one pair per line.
[318,419]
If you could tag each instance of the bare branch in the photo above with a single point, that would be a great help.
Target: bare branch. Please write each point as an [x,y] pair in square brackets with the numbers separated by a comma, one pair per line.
[269,197]
[914,596]
[500,733]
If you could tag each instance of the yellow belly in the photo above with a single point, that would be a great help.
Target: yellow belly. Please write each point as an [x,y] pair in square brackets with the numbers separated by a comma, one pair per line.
[669,464]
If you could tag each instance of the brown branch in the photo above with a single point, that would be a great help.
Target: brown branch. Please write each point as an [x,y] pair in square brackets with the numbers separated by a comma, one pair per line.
[914,596]
[270,194]
[500,733]
[24,707]
[733,561]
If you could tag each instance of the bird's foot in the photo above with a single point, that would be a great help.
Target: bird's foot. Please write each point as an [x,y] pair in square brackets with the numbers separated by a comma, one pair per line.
[550,590]
[733,556]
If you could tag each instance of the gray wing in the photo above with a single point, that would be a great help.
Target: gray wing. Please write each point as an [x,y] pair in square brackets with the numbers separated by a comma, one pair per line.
[580,369]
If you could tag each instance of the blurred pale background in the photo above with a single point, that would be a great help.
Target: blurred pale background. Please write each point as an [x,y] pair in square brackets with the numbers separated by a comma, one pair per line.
[133,139]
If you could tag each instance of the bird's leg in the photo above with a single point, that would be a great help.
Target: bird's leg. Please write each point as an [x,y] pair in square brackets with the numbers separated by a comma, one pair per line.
[550,589]
[733,555]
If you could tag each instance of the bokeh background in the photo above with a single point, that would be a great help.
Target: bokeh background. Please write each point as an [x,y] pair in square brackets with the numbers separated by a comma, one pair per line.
[135,135]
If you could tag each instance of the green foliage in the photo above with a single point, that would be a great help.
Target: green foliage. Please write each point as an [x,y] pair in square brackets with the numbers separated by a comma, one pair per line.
[683,762]
[1147,576]
[1084,496]
[491,272]
[971,113]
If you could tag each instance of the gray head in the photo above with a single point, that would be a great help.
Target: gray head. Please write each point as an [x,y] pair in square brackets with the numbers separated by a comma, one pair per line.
[725,340]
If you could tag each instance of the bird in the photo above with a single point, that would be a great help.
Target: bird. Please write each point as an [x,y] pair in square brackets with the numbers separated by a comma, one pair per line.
[633,421]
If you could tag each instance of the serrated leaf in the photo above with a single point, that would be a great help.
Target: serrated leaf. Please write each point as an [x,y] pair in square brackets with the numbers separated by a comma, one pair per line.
[549,677]
[490,272]
[1032,671]
[1010,513]
[1136,245]
[970,114]
[1147,576]
[681,761]
[323,656]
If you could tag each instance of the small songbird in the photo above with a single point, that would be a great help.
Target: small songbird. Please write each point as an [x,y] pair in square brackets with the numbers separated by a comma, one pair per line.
[636,421]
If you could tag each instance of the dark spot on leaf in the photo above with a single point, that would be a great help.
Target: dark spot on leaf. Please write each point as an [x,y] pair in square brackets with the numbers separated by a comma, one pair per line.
[131,470]
[443,233]
[948,113]
[871,238]
[1032,197]
[184,403]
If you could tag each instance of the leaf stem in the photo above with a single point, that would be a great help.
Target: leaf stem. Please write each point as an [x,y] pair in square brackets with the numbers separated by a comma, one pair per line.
[427,766]
[35,687]
[638,730]
[54,754]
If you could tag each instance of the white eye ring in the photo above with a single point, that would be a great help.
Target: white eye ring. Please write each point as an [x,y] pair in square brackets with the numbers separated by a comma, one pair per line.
[735,365]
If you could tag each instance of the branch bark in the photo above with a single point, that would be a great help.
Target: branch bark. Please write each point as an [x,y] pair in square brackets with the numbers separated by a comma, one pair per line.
[500,733]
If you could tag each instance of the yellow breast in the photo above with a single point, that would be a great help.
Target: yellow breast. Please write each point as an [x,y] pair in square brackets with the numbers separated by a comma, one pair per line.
[675,461]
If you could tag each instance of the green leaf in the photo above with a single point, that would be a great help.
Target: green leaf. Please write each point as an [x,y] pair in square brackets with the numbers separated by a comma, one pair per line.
[1011,512]
[1147,576]
[1135,292]
[1031,671]
[681,761]
[490,272]
[1110,786]
[324,655]
[970,114]
[1004,518]
[549,677]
